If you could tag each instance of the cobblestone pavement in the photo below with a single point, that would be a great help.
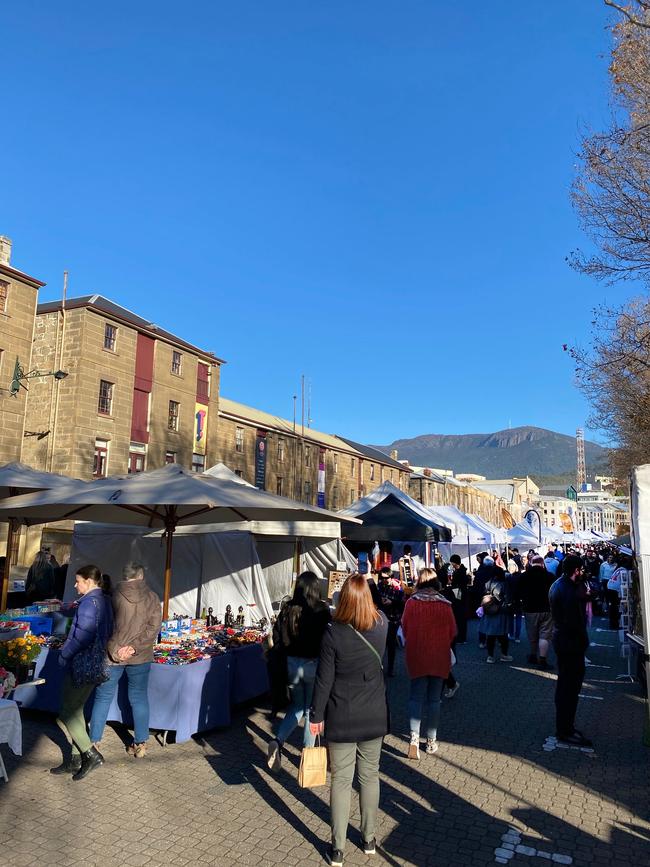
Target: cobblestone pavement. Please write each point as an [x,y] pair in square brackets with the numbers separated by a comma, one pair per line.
[491,786]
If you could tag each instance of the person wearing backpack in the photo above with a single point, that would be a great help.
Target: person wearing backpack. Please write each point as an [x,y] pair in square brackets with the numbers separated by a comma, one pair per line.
[495,605]
[349,705]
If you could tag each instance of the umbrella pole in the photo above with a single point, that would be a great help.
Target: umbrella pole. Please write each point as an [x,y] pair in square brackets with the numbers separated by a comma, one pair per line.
[7,567]
[168,571]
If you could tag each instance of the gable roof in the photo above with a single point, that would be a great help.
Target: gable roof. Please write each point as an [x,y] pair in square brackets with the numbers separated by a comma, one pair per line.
[122,314]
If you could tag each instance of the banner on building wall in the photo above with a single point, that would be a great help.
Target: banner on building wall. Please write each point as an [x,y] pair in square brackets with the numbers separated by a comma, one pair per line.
[508,520]
[321,479]
[260,460]
[200,427]
[566,522]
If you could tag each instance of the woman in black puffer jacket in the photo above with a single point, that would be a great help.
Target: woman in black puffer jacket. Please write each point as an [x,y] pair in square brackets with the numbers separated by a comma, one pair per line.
[350,703]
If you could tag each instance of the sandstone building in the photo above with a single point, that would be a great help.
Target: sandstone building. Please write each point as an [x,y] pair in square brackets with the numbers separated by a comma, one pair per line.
[136,396]
[18,299]
[310,466]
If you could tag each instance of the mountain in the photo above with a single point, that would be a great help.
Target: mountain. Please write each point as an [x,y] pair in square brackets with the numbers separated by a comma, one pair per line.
[519,451]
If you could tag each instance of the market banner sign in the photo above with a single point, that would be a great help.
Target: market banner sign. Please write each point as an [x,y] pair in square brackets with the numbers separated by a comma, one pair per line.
[260,460]
[320,501]
[566,522]
[200,427]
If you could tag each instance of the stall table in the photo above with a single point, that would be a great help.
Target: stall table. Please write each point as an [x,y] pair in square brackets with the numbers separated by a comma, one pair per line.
[11,731]
[186,699]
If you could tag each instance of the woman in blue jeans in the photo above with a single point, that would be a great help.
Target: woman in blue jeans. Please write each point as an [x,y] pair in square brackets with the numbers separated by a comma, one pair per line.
[299,631]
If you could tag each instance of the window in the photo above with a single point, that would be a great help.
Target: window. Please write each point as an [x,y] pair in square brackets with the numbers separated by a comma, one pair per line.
[170,457]
[372,472]
[202,382]
[100,463]
[198,463]
[336,463]
[177,362]
[110,337]
[280,450]
[307,456]
[351,495]
[335,499]
[239,439]
[4,292]
[174,410]
[391,475]
[279,484]
[136,462]
[105,403]
[239,473]
[353,467]
[308,492]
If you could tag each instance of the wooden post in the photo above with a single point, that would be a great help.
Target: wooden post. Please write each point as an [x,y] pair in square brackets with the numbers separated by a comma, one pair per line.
[170,526]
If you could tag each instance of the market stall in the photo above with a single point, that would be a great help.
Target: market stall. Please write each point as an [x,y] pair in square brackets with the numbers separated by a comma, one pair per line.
[638,632]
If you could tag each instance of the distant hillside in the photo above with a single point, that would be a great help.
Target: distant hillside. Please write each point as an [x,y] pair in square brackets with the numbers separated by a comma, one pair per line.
[521,451]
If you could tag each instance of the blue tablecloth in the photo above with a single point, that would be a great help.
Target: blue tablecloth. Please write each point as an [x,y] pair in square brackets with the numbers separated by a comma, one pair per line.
[186,699]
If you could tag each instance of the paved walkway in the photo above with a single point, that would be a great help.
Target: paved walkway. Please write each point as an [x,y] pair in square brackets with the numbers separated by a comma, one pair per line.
[492,786]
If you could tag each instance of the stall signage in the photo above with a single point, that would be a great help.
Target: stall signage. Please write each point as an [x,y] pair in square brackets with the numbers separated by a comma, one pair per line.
[321,480]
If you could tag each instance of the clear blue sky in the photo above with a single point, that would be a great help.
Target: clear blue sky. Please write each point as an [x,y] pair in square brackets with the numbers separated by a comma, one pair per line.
[372,193]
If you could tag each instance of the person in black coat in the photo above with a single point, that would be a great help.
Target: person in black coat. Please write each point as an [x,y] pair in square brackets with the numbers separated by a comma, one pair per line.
[460,581]
[349,704]
[570,642]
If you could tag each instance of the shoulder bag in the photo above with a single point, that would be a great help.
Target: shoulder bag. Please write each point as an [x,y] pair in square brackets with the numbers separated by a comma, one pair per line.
[89,665]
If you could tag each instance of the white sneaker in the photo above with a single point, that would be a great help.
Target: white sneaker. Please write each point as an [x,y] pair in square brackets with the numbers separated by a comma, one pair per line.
[414,746]
[274,756]
[451,691]
[490,659]
[432,746]
[506,658]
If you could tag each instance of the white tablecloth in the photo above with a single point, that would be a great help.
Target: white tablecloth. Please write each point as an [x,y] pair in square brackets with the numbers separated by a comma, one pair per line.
[11,731]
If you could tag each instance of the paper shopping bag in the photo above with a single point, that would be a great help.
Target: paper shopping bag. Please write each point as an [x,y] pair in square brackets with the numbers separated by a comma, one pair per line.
[313,767]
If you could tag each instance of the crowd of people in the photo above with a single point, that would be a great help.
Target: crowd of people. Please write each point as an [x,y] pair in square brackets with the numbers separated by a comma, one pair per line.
[337,662]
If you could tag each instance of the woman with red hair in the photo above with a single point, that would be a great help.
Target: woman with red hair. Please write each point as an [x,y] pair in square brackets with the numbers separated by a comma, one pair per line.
[350,705]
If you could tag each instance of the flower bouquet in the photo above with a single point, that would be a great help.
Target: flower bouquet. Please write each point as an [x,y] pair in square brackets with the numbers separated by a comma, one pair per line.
[19,654]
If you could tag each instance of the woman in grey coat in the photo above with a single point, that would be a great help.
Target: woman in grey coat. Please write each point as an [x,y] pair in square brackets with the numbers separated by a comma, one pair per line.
[495,604]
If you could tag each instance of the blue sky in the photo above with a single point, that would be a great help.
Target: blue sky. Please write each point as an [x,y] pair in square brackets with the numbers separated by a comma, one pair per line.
[373,194]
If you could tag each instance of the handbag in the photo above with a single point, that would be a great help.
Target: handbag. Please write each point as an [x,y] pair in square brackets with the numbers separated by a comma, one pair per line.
[89,665]
[313,767]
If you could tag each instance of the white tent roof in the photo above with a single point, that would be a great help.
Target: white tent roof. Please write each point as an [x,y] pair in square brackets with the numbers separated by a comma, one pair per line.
[16,478]
[498,533]
[466,528]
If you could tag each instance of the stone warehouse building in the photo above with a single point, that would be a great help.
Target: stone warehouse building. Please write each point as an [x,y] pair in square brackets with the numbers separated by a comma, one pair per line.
[136,396]
[18,299]
[310,466]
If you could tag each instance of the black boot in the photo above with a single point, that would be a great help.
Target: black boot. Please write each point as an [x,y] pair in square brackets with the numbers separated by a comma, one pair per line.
[71,766]
[90,760]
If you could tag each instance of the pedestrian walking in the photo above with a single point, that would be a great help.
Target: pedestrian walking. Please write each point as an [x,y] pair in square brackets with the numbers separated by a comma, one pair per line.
[614,594]
[350,706]
[137,617]
[299,629]
[570,642]
[429,630]
[83,657]
[534,587]
[607,569]
[481,577]
[495,604]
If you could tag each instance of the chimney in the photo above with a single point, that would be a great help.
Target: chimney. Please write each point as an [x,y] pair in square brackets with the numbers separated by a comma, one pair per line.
[5,250]
[393,453]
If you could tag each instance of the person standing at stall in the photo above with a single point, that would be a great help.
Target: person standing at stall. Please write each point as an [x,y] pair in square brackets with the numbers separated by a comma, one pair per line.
[570,642]
[350,706]
[460,581]
[137,617]
[299,631]
[40,583]
[83,657]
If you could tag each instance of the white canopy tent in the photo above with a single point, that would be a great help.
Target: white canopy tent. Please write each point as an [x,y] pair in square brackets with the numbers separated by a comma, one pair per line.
[640,514]
[497,534]
[210,569]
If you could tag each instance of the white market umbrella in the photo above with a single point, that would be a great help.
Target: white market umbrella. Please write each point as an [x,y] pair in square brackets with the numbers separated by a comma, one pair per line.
[17,479]
[162,498]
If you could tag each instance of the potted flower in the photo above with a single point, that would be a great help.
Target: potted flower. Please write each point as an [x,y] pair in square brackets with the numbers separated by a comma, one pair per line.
[19,655]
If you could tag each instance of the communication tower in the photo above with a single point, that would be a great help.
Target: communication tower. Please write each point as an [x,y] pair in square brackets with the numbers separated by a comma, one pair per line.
[581,475]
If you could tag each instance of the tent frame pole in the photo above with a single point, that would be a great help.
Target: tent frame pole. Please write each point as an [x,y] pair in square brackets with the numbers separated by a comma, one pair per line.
[170,526]
[7,567]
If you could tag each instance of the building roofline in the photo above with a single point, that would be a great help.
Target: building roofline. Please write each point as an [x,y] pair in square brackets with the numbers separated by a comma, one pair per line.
[20,275]
[375,454]
[100,304]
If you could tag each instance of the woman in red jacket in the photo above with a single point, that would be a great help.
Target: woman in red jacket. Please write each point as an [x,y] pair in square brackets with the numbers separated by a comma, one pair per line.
[429,628]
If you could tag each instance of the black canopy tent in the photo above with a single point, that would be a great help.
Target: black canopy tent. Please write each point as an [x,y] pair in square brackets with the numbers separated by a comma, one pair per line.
[393,519]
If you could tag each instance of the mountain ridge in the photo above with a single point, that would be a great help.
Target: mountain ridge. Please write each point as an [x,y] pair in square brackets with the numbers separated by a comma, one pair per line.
[519,451]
